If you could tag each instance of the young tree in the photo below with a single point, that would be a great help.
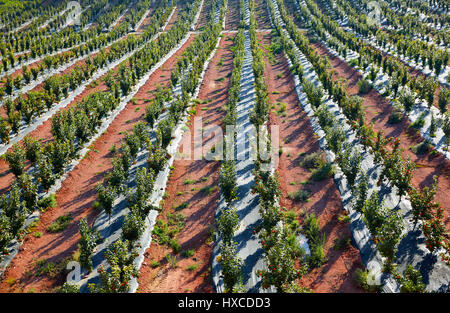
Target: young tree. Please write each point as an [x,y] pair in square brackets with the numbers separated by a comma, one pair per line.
[29,191]
[32,148]
[106,196]
[227,181]
[388,237]
[88,242]
[444,97]
[45,173]
[16,158]
[231,265]
[122,269]
[227,224]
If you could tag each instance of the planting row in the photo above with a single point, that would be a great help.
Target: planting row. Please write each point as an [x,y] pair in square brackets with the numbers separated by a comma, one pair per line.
[74,127]
[68,85]
[387,234]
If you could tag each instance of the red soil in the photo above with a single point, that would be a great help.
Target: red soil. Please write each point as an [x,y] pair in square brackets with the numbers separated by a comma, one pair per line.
[146,21]
[204,15]
[337,274]
[290,10]
[77,195]
[262,17]
[202,206]
[173,19]
[43,131]
[378,109]
[232,18]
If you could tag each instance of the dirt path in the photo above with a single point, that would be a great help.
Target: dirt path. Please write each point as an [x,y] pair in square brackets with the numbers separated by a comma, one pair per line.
[43,131]
[232,18]
[337,274]
[378,109]
[174,17]
[200,212]
[412,71]
[146,21]
[261,15]
[204,16]
[77,195]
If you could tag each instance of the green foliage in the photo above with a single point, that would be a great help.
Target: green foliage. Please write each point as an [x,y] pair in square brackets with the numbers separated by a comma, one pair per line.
[106,196]
[48,202]
[349,160]
[121,269]
[16,158]
[364,86]
[324,171]
[133,225]
[316,241]
[299,195]
[227,224]
[362,279]
[69,288]
[60,223]
[313,160]
[231,265]
[88,242]
[29,191]
[227,181]
[32,149]
[411,282]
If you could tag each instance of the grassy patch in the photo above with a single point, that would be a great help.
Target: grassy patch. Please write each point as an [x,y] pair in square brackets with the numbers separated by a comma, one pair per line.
[182,206]
[361,278]
[188,253]
[312,160]
[60,224]
[208,189]
[47,202]
[192,267]
[323,172]
[299,195]
[37,234]
[342,243]
[344,218]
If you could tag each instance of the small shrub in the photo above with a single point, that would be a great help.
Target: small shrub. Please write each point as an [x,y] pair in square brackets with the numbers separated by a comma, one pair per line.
[69,288]
[188,253]
[364,86]
[313,160]
[342,243]
[192,267]
[48,202]
[422,148]
[344,218]
[325,171]
[361,278]
[396,115]
[175,245]
[299,195]
[37,234]
[60,224]
[411,282]
[172,260]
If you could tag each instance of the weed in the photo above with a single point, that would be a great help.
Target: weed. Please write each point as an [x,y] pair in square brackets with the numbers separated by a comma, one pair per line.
[60,224]
[299,195]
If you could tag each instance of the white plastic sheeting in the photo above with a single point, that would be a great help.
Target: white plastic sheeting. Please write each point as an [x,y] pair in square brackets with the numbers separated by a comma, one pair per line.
[411,249]
[381,84]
